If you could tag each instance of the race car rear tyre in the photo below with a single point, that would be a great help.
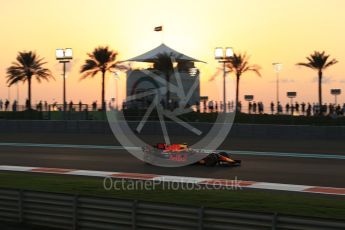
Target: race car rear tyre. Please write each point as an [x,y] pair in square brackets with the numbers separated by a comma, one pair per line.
[211,160]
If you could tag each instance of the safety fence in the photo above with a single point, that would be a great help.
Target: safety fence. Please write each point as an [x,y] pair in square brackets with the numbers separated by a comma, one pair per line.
[66,211]
[289,109]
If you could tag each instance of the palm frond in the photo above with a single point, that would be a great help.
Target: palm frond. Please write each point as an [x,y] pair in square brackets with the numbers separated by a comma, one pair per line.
[90,65]
[318,61]
[239,64]
[88,74]
[102,59]
[306,65]
[28,65]
[253,68]
[213,76]
[118,66]
[330,63]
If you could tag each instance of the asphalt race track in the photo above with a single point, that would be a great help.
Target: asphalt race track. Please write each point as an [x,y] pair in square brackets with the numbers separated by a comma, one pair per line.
[288,170]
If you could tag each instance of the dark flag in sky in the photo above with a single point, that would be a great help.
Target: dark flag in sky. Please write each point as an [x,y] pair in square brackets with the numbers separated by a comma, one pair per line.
[159,28]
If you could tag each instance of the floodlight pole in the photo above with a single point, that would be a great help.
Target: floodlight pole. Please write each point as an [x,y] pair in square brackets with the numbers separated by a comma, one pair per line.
[277,67]
[224,87]
[277,88]
[224,61]
[224,58]
[64,86]
[117,89]
[64,56]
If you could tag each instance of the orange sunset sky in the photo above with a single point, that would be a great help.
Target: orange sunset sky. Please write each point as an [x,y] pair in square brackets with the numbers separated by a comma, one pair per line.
[269,31]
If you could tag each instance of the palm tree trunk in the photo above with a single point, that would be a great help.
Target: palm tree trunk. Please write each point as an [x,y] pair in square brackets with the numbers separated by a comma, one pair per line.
[103,90]
[320,89]
[237,89]
[29,93]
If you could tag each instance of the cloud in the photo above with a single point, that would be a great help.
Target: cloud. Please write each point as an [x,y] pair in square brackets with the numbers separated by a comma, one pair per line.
[325,80]
[284,80]
[287,80]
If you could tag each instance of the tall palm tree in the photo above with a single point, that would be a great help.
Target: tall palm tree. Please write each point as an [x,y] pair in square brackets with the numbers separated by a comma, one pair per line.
[102,59]
[239,65]
[319,62]
[27,66]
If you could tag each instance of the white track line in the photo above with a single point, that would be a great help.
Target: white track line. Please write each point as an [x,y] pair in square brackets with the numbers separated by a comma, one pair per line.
[185,180]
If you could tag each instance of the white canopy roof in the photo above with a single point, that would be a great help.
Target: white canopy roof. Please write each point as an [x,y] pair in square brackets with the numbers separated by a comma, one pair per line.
[152,55]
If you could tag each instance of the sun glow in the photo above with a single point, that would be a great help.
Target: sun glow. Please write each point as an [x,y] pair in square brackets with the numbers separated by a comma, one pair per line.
[287,31]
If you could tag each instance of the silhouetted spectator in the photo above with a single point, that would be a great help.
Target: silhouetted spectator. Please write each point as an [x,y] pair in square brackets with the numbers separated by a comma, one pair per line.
[272,107]
[210,106]
[280,108]
[71,106]
[309,108]
[261,107]
[303,107]
[331,108]
[7,104]
[239,106]
[316,109]
[94,105]
[254,107]
[45,105]
[297,107]
[80,105]
[14,106]
[204,106]
[292,108]
[40,106]
[323,109]
[338,110]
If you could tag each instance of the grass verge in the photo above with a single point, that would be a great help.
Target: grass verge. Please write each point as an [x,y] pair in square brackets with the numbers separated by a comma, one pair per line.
[250,200]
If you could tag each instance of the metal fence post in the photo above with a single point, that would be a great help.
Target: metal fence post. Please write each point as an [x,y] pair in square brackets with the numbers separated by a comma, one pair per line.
[134,214]
[200,217]
[274,221]
[75,213]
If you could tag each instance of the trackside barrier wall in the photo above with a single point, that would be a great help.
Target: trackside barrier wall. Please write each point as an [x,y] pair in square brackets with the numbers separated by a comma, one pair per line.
[154,128]
[72,212]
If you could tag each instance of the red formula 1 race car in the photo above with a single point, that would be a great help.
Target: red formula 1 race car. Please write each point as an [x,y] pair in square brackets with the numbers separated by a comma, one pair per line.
[181,153]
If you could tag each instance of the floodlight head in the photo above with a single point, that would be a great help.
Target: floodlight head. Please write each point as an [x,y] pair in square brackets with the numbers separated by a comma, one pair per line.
[218,53]
[277,66]
[59,53]
[229,52]
[68,53]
